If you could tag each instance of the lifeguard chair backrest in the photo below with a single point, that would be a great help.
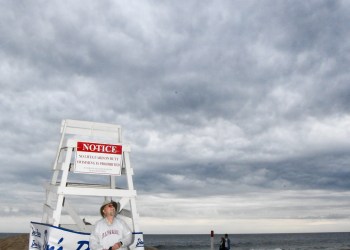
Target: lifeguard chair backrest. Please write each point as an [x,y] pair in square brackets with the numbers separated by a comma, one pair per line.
[91,129]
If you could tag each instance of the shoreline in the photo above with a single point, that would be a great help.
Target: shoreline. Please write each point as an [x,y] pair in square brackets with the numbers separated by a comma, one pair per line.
[21,241]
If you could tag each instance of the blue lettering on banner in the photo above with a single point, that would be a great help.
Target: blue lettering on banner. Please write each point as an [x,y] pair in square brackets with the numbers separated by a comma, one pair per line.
[82,243]
[139,243]
[35,245]
[45,240]
[36,233]
[47,246]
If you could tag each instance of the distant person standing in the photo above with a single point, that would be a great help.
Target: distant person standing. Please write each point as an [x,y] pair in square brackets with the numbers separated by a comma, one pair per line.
[227,242]
[222,244]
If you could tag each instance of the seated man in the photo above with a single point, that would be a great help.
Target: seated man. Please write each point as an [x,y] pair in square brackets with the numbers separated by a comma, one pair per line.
[111,232]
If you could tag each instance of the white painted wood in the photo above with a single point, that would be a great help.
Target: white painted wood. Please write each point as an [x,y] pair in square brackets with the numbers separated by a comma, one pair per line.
[61,188]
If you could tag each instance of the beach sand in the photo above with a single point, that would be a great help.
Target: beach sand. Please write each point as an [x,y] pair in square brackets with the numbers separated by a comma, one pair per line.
[18,242]
[21,242]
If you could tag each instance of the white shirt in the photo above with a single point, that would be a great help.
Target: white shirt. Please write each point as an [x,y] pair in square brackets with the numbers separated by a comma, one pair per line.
[105,235]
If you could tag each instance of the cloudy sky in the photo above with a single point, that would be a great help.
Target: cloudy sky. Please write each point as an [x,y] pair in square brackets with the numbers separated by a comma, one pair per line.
[237,112]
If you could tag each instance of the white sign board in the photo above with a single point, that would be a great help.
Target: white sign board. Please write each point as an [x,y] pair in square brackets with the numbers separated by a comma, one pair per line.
[98,158]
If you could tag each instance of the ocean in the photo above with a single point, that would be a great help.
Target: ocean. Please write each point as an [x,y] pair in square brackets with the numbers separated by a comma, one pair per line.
[301,241]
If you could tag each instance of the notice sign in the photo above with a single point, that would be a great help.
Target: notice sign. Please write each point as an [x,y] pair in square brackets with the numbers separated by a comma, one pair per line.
[98,158]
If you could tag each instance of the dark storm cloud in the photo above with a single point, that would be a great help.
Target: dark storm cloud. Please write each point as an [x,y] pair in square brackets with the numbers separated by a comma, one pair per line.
[229,97]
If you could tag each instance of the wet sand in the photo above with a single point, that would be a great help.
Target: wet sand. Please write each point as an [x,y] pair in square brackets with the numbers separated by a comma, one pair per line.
[18,242]
[21,242]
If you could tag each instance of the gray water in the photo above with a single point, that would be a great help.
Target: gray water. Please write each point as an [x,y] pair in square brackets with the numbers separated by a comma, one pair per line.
[309,241]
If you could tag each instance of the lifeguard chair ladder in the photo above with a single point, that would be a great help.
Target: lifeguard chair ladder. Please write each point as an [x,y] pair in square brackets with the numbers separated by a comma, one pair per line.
[60,187]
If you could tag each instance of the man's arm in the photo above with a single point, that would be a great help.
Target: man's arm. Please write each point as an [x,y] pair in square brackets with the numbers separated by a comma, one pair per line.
[127,235]
[94,243]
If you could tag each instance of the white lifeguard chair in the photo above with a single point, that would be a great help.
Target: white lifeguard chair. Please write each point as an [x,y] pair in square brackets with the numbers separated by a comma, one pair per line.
[67,183]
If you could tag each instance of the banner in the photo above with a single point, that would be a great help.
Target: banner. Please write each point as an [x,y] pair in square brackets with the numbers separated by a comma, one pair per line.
[98,158]
[48,237]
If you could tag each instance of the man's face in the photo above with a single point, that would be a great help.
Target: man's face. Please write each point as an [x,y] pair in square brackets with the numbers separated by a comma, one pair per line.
[109,210]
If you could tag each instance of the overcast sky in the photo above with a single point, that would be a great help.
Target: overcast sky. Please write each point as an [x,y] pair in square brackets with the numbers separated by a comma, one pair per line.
[237,112]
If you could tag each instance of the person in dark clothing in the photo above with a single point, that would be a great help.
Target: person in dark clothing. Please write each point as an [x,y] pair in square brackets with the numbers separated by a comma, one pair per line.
[222,244]
[227,242]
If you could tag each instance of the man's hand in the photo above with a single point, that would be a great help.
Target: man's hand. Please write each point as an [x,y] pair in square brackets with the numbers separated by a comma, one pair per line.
[116,246]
